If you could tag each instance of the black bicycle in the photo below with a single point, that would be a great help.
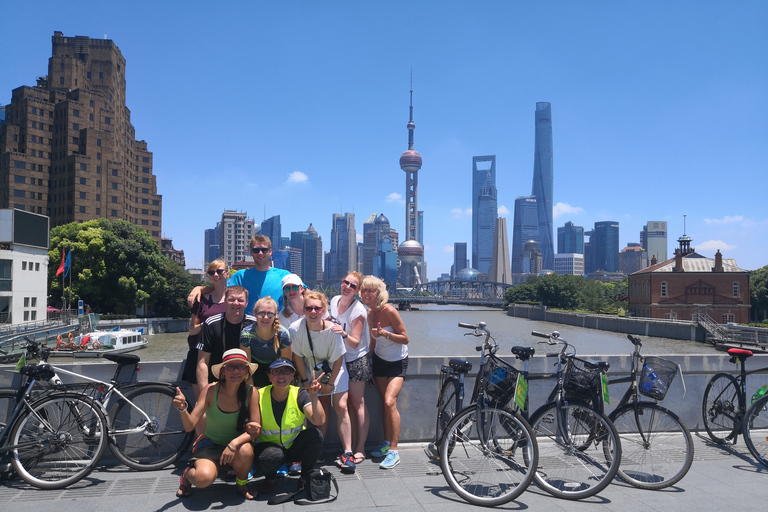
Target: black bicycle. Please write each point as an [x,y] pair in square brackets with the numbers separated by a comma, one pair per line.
[726,411]
[488,454]
[50,440]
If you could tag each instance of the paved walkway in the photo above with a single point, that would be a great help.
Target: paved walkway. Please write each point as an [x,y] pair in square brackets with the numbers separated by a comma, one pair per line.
[721,478]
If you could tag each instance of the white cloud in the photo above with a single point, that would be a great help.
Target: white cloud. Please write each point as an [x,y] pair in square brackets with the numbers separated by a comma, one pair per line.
[714,245]
[448,249]
[359,237]
[458,213]
[728,219]
[565,208]
[502,211]
[297,177]
[394,197]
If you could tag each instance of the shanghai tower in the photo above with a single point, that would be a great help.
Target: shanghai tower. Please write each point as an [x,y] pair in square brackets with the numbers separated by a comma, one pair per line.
[542,182]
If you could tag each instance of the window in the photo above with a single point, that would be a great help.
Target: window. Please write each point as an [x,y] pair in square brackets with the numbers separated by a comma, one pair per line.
[114,185]
[83,167]
[145,159]
[113,213]
[24,267]
[145,170]
[107,120]
[729,318]
[37,267]
[145,180]
[101,75]
[90,103]
[19,165]
[75,112]
[670,316]
[18,179]
[18,193]
[83,181]
[33,302]
[61,80]
[98,183]
[736,289]
[98,142]
[83,195]
[114,199]
[114,172]
[34,316]
[5,275]
[75,126]
[664,289]
[81,209]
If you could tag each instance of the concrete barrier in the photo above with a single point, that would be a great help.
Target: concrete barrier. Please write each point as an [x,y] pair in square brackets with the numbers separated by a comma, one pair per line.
[417,402]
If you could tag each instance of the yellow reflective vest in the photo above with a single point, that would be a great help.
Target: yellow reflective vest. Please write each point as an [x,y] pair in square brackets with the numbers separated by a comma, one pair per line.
[293,418]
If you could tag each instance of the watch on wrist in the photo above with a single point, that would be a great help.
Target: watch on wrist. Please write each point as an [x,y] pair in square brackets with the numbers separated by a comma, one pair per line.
[304,380]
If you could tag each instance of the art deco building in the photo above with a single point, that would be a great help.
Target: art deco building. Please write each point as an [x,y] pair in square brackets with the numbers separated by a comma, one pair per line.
[235,233]
[68,149]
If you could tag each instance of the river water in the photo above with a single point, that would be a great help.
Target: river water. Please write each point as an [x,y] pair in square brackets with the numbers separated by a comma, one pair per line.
[434,331]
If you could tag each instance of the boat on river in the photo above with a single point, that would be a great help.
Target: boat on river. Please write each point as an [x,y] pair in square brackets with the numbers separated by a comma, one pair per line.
[98,343]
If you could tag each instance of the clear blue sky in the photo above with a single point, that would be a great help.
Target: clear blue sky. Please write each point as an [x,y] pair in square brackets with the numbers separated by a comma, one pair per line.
[299,109]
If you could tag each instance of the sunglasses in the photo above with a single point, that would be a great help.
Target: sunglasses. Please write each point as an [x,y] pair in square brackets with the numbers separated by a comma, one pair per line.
[219,271]
[235,367]
[310,309]
[351,285]
[260,250]
[265,314]
[291,287]
[281,371]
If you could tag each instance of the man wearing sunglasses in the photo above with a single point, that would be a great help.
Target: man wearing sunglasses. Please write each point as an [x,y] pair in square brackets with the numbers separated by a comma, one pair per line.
[261,280]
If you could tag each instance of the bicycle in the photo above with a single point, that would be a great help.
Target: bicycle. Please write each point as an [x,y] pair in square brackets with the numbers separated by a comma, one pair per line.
[488,454]
[657,447]
[52,440]
[144,430]
[579,448]
[725,409]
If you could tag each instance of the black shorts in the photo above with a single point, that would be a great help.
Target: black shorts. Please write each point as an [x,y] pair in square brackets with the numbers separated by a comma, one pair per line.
[360,370]
[389,369]
[190,367]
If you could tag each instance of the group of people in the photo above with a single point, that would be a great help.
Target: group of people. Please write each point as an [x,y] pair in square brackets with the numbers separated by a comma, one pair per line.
[267,360]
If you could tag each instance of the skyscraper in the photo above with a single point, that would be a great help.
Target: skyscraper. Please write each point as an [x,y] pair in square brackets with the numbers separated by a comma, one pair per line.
[211,246]
[411,252]
[483,170]
[653,238]
[500,269]
[311,245]
[235,233]
[525,228]
[373,233]
[605,244]
[487,213]
[343,255]
[570,239]
[460,261]
[68,148]
[542,182]
[272,229]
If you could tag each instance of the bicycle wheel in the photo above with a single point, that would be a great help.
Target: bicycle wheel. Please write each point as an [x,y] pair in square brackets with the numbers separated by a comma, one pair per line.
[448,405]
[662,455]
[720,408]
[579,450]
[147,445]
[59,440]
[7,404]
[756,430]
[488,456]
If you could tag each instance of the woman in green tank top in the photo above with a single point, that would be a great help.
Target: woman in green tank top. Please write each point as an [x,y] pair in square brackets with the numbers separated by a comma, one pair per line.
[227,404]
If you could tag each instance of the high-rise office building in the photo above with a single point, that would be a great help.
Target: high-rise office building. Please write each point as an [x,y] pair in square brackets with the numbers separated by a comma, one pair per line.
[373,233]
[653,238]
[531,260]
[525,228]
[68,148]
[500,264]
[460,261]
[569,264]
[272,229]
[570,239]
[605,244]
[543,181]
[487,213]
[235,233]
[411,252]
[343,255]
[632,258]
[311,245]
[211,245]
[483,170]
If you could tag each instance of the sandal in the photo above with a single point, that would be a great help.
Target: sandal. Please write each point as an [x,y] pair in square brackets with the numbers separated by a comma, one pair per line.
[184,488]
[358,458]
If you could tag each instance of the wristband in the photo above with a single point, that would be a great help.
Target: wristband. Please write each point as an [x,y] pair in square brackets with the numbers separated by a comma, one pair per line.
[304,380]
[344,336]
[186,406]
[230,447]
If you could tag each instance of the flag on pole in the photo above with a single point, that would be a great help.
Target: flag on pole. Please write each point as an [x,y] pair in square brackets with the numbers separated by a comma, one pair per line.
[68,263]
[61,267]
[21,363]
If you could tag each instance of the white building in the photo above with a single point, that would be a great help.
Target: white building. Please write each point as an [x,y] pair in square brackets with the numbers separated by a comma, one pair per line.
[24,241]
[569,263]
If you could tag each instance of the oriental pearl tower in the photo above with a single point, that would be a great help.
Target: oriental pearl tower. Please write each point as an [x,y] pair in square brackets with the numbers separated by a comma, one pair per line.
[411,253]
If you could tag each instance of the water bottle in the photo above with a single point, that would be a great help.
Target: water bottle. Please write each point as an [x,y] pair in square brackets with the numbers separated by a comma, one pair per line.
[653,381]
[759,393]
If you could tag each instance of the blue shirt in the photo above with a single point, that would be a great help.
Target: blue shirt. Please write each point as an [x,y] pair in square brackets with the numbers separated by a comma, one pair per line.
[260,284]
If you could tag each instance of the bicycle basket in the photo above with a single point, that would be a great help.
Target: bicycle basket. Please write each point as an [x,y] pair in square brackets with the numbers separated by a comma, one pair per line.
[581,380]
[499,382]
[656,376]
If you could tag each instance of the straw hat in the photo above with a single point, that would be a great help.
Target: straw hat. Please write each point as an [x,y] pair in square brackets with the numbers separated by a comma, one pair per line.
[229,356]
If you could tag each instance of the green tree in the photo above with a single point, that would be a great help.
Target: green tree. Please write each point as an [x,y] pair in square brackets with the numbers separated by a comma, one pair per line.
[115,266]
[558,291]
[758,289]
[172,300]
[524,292]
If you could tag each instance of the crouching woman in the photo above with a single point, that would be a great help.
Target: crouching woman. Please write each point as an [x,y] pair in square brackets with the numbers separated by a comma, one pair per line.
[228,404]
[282,436]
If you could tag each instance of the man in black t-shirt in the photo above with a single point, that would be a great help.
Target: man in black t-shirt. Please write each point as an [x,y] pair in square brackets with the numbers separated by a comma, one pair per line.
[221,333]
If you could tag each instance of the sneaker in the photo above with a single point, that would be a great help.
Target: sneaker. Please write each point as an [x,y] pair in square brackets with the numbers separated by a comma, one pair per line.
[295,469]
[348,466]
[282,471]
[391,460]
[381,451]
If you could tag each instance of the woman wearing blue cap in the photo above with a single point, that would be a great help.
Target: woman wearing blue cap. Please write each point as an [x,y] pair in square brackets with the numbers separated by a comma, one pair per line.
[279,424]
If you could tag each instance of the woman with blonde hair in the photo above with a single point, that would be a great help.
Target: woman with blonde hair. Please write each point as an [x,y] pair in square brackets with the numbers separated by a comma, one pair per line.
[293,299]
[389,342]
[266,340]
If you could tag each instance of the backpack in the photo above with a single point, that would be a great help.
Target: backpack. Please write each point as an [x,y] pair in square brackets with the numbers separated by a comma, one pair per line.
[317,490]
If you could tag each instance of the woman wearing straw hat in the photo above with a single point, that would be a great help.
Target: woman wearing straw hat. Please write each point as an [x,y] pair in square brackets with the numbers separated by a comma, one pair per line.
[228,405]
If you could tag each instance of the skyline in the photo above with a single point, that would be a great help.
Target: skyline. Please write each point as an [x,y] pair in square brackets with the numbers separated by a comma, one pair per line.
[657,111]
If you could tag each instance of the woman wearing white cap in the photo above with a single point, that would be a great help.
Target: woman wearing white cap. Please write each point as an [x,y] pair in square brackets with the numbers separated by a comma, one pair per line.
[228,405]
[293,299]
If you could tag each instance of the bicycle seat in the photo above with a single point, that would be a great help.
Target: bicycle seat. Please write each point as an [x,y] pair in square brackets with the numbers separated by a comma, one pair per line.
[740,353]
[523,353]
[460,365]
[123,359]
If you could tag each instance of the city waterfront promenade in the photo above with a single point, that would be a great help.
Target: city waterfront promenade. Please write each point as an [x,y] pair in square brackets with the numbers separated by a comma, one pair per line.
[721,478]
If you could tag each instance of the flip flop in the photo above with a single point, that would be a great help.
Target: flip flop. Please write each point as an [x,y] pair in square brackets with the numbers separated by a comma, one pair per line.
[358,459]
